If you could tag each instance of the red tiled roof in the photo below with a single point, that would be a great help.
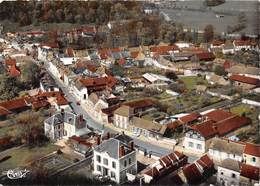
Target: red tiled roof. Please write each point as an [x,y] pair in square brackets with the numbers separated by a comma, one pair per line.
[37,104]
[61,100]
[205,162]
[104,53]
[108,81]
[252,149]
[205,56]
[10,62]
[250,171]
[91,68]
[14,71]
[190,117]
[206,129]
[153,172]
[134,54]
[227,64]
[245,79]
[240,42]
[70,52]
[173,125]
[192,173]
[218,115]
[81,141]
[7,107]
[217,43]
[220,122]
[163,50]
[140,103]
[231,124]
[121,61]
[110,110]
[165,161]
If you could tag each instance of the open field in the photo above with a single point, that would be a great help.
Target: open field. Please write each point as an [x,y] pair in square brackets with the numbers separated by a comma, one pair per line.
[24,155]
[191,81]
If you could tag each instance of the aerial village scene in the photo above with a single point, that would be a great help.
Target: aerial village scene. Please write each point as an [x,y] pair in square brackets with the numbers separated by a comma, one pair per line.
[152,92]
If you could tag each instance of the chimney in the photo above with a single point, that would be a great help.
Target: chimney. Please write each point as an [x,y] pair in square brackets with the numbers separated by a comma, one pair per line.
[121,151]
[131,144]
[81,118]
[108,135]
[98,140]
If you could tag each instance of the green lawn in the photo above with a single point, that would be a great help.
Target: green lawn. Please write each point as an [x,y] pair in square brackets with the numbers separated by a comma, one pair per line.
[191,81]
[240,109]
[24,155]
[6,128]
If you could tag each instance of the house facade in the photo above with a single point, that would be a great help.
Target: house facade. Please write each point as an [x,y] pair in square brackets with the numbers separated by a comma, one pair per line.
[64,125]
[221,149]
[251,154]
[228,173]
[122,116]
[115,159]
[194,141]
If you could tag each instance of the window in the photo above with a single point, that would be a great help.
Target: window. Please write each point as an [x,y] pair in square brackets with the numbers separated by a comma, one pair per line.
[105,161]
[254,159]
[125,163]
[233,175]
[98,168]
[113,164]
[190,144]
[222,173]
[113,175]
[98,158]
[129,161]
[199,146]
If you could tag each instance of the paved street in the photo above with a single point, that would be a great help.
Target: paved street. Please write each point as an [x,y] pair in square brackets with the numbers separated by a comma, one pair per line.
[156,149]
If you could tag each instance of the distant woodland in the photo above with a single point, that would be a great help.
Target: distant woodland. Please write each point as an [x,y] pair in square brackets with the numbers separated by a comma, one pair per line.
[36,12]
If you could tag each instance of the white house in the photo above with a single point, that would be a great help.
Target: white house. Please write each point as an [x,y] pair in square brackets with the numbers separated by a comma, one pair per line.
[54,70]
[115,159]
[155,79]
[183,45]
[242,45]
[228,49]
[251,154]
[221,149]
[68,60]
[228,172]
[194,141]
[79,90]
[64,125]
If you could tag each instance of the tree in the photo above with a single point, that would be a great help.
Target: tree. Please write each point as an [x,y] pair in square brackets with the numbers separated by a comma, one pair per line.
[208,33]
[30,128]
[220,70]
[171,75]
[30,75]
[9,87]
[117,70]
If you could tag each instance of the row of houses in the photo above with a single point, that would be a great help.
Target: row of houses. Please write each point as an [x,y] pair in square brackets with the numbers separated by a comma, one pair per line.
[235,46]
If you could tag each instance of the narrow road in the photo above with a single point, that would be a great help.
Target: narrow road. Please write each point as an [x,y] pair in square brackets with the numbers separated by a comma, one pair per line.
[78,109]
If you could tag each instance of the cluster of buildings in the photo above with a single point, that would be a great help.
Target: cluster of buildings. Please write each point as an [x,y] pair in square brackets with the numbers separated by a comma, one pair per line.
[88,76]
